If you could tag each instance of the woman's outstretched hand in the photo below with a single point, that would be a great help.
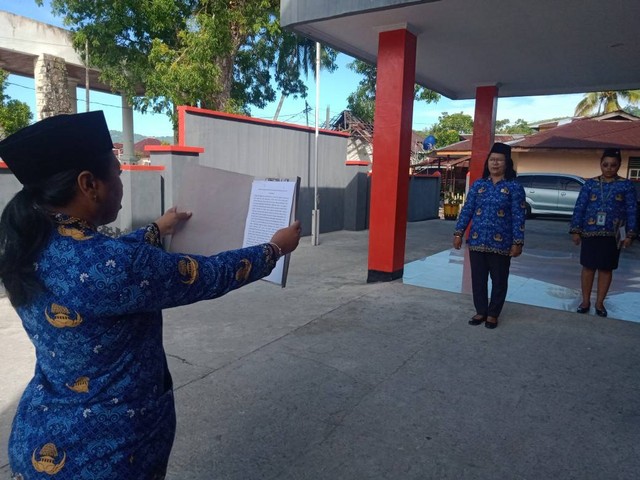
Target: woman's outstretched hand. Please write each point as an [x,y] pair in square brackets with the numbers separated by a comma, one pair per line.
[288,238]
[168,222]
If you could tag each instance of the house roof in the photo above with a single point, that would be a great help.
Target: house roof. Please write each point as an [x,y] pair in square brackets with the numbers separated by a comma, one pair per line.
[615,130]
[465,145]
[138,147]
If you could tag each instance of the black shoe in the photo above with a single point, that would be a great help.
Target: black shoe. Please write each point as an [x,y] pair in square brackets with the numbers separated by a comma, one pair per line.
[582,309]
[477,320]
[601,313]
[489,324]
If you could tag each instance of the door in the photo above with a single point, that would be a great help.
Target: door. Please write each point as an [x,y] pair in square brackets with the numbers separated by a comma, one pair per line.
[543,193]
[569,190]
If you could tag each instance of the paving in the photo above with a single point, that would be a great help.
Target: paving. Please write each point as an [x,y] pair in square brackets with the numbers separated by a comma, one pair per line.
[334,378]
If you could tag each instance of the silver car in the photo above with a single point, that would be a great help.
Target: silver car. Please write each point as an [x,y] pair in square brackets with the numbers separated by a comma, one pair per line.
[550,193]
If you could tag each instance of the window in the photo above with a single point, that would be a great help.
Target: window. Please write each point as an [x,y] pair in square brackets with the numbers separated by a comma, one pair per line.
[540,181]
[634,168]
[571,185]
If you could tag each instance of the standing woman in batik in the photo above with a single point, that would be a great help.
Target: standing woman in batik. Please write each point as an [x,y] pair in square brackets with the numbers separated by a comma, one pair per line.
[100,404]
[495,207]
[605,204]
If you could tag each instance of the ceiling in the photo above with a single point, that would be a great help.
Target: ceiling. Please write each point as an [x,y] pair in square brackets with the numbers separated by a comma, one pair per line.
[526,47]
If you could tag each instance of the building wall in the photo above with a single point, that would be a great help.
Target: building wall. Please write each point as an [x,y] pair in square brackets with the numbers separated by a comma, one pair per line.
[267,149]
[584,163]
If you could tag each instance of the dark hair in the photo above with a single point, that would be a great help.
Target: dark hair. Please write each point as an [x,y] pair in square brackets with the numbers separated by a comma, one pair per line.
[509,171]
[25,228]
[611,153]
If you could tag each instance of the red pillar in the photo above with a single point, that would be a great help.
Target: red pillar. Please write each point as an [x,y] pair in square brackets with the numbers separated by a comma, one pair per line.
[391,151]
[484,123]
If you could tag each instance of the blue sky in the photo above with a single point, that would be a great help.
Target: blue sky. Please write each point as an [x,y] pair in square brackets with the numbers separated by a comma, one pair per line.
[334,89]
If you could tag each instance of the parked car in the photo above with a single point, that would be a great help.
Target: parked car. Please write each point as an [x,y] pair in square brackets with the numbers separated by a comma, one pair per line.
[550,193]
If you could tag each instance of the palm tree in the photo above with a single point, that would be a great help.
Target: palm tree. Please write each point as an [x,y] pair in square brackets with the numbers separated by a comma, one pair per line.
[605,102]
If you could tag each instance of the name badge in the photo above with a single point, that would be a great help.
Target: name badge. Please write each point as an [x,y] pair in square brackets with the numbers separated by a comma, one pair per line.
[601,219]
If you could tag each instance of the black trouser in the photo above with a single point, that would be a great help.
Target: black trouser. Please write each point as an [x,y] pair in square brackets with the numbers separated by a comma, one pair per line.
[484,264]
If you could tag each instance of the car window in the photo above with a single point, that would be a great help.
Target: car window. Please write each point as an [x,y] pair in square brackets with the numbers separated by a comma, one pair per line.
[571,185]
[544,181]
[524,181]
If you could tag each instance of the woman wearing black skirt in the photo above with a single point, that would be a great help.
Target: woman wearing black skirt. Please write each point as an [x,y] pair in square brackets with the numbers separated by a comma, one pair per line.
[605,204]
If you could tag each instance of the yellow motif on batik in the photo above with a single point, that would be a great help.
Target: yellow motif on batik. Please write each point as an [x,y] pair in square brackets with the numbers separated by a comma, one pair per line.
[474,235]
[242,274]
[46,461]
[479,211]
[591,221]
[501,213]
[593,197]
[497,237]
[522,228]
[61,317]
[481,190]
[188,268]
[81,385]
[619,197]
[73,232]
[504,190]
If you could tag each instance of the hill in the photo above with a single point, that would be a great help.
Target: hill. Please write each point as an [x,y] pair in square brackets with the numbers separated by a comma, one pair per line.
[117,136]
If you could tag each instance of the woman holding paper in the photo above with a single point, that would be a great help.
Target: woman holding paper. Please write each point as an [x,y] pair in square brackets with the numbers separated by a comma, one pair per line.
[100,404]
[604,220]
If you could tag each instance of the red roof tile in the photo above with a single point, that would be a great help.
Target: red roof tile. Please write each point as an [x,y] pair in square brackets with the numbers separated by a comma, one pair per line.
[587,133]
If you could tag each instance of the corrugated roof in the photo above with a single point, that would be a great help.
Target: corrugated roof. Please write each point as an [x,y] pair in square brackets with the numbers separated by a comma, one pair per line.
[465,145]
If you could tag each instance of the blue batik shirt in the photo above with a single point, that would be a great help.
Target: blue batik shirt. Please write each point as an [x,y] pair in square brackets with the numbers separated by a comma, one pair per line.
[100,404]
[617,200]
[496,213]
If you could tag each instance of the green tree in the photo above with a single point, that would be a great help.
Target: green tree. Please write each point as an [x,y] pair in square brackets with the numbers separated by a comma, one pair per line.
[449,128]
[633,110]
[219,54]
[14,114]
[598,103]
[520,126]
[362,102]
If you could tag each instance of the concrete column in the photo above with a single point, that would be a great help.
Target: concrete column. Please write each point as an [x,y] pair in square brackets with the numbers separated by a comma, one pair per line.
[484,125]
[72,84]
[391,152]
[52,89]
[128,154]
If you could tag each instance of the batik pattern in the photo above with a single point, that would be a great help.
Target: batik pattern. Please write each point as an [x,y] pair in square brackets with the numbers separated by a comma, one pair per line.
[497,215]
[617,200]
[100,405]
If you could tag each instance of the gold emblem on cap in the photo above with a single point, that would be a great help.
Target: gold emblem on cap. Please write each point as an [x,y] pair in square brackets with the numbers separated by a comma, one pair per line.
[188,267]
[61,317]
[46,461]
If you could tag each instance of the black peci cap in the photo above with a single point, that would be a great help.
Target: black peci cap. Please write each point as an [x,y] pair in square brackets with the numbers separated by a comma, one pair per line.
[502,148]
[56,144]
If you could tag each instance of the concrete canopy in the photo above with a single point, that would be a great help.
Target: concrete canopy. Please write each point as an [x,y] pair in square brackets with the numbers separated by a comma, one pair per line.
[532,47]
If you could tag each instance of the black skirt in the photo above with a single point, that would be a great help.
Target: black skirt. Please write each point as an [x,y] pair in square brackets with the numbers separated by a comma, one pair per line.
[599,253]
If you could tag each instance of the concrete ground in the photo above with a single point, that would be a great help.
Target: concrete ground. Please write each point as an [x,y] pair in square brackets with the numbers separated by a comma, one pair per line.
[334,378]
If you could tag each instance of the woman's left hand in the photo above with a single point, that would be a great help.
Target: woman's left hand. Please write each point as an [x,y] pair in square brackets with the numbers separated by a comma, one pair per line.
[168,222]
[626,243]
[516,251]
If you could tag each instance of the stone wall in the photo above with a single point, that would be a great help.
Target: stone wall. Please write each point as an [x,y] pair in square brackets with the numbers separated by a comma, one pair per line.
[52,87]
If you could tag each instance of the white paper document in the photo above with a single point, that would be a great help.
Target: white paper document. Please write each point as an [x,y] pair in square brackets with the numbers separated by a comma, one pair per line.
[271,208]
[231,211]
